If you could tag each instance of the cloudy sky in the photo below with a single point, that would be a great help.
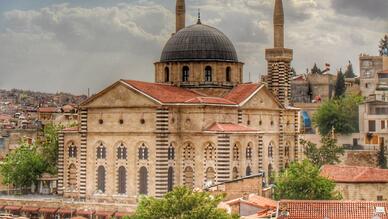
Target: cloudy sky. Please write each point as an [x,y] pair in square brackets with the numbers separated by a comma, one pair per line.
[57,45]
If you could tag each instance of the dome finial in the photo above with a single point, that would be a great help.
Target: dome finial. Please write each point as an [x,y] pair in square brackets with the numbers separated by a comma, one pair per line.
[199,16]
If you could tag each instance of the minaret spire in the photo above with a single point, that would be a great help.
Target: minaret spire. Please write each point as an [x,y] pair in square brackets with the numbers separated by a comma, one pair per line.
[180,14]
[199,16]
[278,23]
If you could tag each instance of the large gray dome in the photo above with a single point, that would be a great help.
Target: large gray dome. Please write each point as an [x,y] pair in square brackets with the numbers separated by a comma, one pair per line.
[199,42]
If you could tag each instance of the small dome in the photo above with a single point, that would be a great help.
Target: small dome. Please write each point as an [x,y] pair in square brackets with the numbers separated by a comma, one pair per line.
[199,42]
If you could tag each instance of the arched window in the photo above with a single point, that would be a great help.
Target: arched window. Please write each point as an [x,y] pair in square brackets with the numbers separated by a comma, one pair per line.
[171,152]
[236,153]
[122,180]
[287,150]
[72,150]
[188,177]
[166,74]
[143,152]
[170,179]
[208,74]
[248,171]
[270,150]
[235,173]
[249,152]
[101,179]
[143,181]
[122,152]
[72,181]
[188,152]
[270,172]
[210,152]
[210,176]
[185,73]
[101,151]
[228,74]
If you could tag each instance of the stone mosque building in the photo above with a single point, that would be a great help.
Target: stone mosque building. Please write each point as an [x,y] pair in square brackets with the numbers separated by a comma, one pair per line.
[198,124]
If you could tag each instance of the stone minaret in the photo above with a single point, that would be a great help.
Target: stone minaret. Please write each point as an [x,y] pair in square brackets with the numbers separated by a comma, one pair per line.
[279,59]
[180,14]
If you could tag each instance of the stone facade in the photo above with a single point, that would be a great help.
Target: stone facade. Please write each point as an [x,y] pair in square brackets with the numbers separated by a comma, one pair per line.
[370,66]
[363,191]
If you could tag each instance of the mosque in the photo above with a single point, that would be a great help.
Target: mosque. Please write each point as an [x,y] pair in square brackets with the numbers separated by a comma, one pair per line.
[198,124]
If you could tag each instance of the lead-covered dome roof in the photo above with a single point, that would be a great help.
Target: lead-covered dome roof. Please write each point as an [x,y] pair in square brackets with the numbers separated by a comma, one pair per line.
[199,42]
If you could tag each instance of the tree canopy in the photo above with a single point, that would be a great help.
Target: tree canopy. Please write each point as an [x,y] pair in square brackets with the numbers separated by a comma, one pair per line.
[340,114]
[381,158]
[328,153]
[49,146]
[340,84]
[22,166]
[302,181]
[181,203]
[383,46]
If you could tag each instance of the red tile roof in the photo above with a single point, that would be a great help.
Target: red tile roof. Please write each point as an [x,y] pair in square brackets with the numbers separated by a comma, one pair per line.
[385,71]
[48,210]
[255,200]
[30,209]
[5,117]
[354,174]
[12,208]
[104,213]
[331,209]
[48,110]
[241,92]
[229,127]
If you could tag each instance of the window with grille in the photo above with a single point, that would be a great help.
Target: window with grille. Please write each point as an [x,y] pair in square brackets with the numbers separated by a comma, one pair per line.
[185,74]
[208,74]
[122,180]
[101,179]
[122,152]
[171,152]
[72,150]
[210,152]
[188,152]
[101,151]
[270,150]
[249,152]
[143,152]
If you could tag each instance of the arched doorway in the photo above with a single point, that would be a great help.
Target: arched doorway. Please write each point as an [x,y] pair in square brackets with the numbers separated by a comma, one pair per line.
[170,179]
[143,181]
[189,177]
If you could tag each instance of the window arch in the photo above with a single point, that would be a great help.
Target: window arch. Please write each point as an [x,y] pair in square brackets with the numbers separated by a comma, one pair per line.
[270,150]
[188,152]
[101,179]
[170,179]
[208,74]
[235,173]
[185,73]
[121,152]
[166,74]
[72,150]
[210,152]
[236,152]
[143,181]
[101,151]
[189,177]
[228,74]
[287,150]
[248,152]
[122,180]
[143,152]
[248,171]
[72,181]
[210,176]
[171,152]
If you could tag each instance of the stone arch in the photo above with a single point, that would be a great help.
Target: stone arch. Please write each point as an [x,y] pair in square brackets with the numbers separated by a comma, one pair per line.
[143,181]
[188,152]
[101,179]
[210,151]
[210,175]
[235,173]
[236,151]
[188,175]
[122,180]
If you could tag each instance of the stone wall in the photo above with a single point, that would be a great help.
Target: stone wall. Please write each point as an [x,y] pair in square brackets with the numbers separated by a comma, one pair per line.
[363,191]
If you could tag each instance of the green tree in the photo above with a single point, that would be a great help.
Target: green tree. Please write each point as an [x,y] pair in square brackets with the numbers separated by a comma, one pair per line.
[349,73]
[383,46]
[340,84]
[302,181]
[381,158]
[340,114]
[328,153]
[22,166]
[181,203]
[316,70]
[49,146]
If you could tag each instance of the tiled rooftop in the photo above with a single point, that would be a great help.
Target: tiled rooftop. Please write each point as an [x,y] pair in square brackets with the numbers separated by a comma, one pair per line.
[354,174]
[229,127]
